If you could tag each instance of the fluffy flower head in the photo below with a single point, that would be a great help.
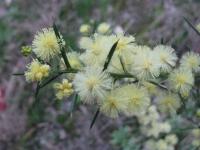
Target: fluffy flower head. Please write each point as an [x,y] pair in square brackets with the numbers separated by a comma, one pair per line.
[125,43]
[96,49]
[92,84]
[113,104]
[167,57]
[181,80]
[137,98]
[146,65]
[168,102]
[45,44]
[191,60]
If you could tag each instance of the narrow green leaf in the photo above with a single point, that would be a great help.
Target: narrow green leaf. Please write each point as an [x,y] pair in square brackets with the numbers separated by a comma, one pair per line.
[162,41]
[56,31]
[95,118]
[18,74]
[62,49]
[37,90]
[110,54]
[192,26]
[120,76]
[158,84]
[74,103]
[122,63]
[49,80]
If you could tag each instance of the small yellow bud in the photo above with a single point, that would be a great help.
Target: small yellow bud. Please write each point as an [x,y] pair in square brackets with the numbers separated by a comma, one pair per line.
[103,28]
[26,50]
[85,29]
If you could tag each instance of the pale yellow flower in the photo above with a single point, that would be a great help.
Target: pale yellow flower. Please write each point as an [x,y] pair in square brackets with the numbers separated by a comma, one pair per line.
[181,80]
[85,28]
[103,28]
[37,71]
[191,60]
[92,84]
[168,102]
[45,44]
[96,49]
[167,57]
[113,104]
[137,97]
[63,89]
[146,64]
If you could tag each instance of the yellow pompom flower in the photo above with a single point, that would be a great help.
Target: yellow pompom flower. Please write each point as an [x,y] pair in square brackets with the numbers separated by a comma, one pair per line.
[146,64]
[125,43]
[167,57]
[92,84]
[85,28]
[191,60]
[45,44]
[122,63]
[113,104]
[137,98]
[103,28]
[63,89]
[37,71]
[96,49]
[181,80]
[168,102]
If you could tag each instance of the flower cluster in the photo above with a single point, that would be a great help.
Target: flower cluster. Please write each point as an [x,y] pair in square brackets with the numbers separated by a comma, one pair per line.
[37,71]
[115,73]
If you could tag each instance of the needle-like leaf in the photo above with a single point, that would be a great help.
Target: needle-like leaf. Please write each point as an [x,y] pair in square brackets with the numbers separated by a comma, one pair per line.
[74,103]
[110,54]
[18,74]
[122,63]
[94,118]
[62,49]
[192,26]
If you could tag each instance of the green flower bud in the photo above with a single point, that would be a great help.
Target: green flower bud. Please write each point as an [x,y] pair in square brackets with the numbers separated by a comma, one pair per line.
[26,50]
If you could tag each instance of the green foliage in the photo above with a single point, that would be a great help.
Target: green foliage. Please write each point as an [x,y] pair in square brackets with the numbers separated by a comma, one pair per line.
[83,8]
[5,34]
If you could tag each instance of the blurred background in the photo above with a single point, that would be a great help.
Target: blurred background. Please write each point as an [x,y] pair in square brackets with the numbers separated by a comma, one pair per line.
[50,127]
